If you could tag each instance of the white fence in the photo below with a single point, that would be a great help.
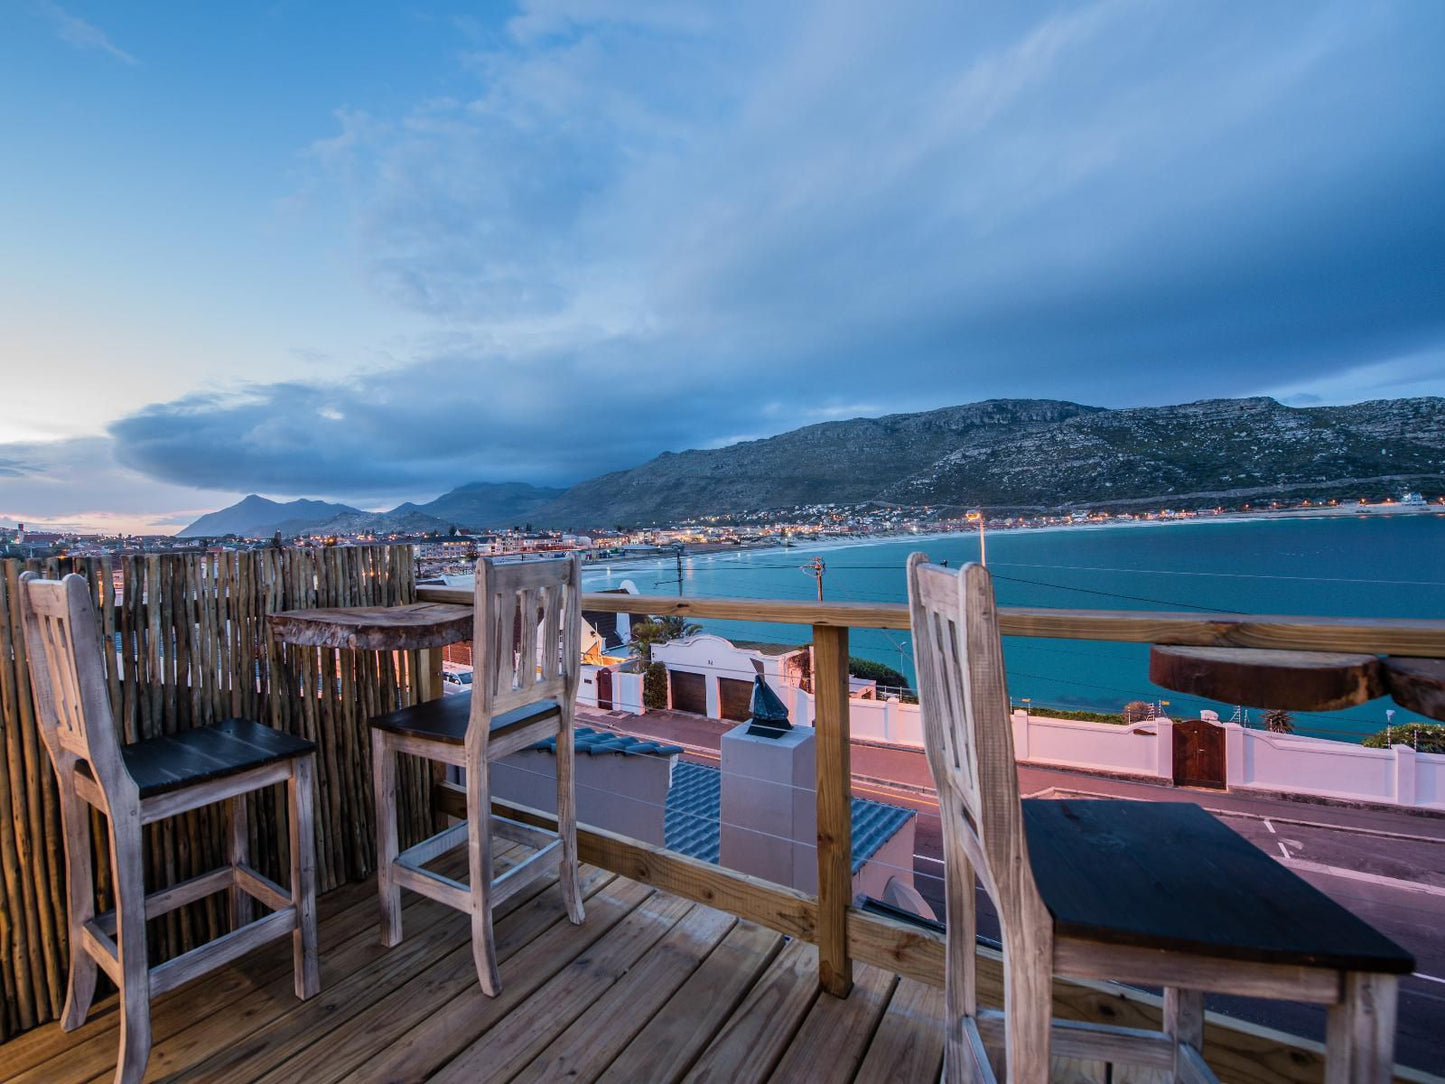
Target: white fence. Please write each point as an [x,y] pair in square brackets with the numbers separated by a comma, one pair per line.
[1254,759]
[1259,760]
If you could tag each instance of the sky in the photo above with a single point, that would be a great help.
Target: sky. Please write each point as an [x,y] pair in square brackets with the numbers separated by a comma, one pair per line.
[369,252]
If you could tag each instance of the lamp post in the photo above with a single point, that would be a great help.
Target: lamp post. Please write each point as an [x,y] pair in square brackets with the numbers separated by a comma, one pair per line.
[977,517]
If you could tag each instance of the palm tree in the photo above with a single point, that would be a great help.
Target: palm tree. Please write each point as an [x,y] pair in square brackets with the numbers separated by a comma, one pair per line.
[659,630]
[1279,721]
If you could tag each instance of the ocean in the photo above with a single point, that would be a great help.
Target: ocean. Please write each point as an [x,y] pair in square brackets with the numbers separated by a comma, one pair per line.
[1350,566]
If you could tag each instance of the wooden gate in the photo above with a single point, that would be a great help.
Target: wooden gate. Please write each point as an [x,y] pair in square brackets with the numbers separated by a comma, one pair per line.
[604,689]
[1198,754]
[736,699]
[689,692]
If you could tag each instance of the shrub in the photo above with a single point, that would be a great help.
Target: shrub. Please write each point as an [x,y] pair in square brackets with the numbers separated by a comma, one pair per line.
[654,686]
[1080,716]
[869,670]
[1136,711]
[1422,737]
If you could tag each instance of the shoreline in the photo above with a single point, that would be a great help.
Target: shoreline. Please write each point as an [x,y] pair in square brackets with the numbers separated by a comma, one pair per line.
[1365,512]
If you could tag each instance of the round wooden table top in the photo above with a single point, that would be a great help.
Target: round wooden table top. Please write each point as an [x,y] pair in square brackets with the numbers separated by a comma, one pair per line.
[1293,680]
[413,627]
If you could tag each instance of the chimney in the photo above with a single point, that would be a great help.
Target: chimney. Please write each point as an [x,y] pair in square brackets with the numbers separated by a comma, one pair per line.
[768,810]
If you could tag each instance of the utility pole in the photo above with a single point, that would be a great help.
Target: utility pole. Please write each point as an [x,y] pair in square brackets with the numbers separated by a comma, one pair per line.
[816,569]
[677,552]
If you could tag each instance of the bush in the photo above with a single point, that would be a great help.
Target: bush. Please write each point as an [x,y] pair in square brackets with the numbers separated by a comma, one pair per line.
[869,670]
[1136,711]
[1079,716]
[1422,737]
[654,686]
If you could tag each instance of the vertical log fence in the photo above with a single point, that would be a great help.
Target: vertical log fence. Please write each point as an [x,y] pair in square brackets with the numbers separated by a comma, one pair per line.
[188,645]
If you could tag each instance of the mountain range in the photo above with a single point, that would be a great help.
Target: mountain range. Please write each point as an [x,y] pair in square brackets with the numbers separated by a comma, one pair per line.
[1003,454]
[477,504]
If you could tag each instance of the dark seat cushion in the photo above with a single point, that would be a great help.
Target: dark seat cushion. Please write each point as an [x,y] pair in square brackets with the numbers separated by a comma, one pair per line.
[445,719]
[210,752]
[1168,875]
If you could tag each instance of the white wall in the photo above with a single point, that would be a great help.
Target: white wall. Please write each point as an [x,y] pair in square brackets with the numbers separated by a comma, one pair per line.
[1332,769]
[1128,750]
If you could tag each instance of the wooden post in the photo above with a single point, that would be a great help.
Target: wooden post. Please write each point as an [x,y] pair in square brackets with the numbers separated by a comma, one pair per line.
[835,818]
[430,687]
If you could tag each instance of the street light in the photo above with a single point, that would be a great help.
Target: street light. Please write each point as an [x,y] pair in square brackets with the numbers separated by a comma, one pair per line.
[977,517]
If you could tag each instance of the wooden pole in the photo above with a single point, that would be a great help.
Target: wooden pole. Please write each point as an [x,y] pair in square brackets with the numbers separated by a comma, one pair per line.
[835,816]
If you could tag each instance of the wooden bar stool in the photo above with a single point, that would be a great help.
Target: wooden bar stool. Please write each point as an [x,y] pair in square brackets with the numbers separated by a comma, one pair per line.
[135,785]
[526,650]
[1151,893]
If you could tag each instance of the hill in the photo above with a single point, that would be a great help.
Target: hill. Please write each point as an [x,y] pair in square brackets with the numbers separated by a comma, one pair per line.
[1030,454]
[259,517]
[478,505]
[1003,454]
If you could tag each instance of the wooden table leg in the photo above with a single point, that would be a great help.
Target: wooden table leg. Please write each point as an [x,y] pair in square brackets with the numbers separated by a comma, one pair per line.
[1360,1034]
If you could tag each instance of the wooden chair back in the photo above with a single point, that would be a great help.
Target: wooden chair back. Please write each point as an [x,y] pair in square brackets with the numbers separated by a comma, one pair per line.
[527,643]
[968,735]
[64,648]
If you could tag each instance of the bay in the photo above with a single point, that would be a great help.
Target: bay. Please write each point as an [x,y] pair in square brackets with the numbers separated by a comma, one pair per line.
[1345,566]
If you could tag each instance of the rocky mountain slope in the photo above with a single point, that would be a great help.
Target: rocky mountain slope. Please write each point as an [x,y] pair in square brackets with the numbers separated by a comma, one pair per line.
[1039,454]
[1004,454]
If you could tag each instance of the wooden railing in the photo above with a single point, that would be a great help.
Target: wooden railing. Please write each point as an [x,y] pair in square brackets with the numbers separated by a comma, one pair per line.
[842,932]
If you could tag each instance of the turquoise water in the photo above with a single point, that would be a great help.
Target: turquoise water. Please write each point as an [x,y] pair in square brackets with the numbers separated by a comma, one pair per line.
[1365,566]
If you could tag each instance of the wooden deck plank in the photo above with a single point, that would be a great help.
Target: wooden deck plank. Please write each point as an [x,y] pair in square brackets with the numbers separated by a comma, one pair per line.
[755,1037]
[908,1044]
[586,1048]
[835,1035]
[91,1049]
[361,973]
[666,1046]
[32,1048]
[444,1004]
[522,1035]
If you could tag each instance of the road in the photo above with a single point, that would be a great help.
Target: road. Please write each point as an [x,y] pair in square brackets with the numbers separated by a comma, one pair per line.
[1386,866]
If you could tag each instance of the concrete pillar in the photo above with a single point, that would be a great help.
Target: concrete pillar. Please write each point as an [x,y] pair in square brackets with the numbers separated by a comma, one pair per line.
[1404,774]
[769,807]
[1020,720]
[1164,748]
[1236,768]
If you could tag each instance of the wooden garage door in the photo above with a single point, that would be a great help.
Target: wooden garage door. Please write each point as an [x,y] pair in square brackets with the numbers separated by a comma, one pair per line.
[737,699]
[689,692]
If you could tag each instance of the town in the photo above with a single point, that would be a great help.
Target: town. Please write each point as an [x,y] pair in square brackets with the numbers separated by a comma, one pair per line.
[455,551]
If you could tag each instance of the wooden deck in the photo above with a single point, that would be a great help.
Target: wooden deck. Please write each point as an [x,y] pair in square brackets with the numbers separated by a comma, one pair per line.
[650,988]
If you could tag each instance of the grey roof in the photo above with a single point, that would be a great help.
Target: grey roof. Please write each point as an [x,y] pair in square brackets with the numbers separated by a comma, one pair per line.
[694,805]
[597,742]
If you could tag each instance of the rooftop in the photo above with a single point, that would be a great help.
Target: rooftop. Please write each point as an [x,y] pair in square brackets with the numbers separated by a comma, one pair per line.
[694,812]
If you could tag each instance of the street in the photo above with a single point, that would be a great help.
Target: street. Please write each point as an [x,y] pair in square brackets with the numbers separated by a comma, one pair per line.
[1387,866]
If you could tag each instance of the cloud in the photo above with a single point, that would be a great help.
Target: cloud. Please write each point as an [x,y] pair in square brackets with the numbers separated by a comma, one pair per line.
[651,228]
[78,484]
[81,34]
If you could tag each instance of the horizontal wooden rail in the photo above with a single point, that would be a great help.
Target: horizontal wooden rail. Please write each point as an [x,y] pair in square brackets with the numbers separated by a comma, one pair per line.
[1417,637]
[1240,1051]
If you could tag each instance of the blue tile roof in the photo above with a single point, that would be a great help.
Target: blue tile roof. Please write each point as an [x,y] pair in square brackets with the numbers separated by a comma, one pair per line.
[694,805]
[597,742]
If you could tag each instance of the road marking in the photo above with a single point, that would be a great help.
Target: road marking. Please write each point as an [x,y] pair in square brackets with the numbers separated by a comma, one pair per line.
[1284,851]
[1269,826]
[1429,978]
[1370,878]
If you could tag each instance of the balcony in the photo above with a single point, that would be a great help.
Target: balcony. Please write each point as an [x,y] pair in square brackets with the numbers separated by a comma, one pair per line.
[684,968]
